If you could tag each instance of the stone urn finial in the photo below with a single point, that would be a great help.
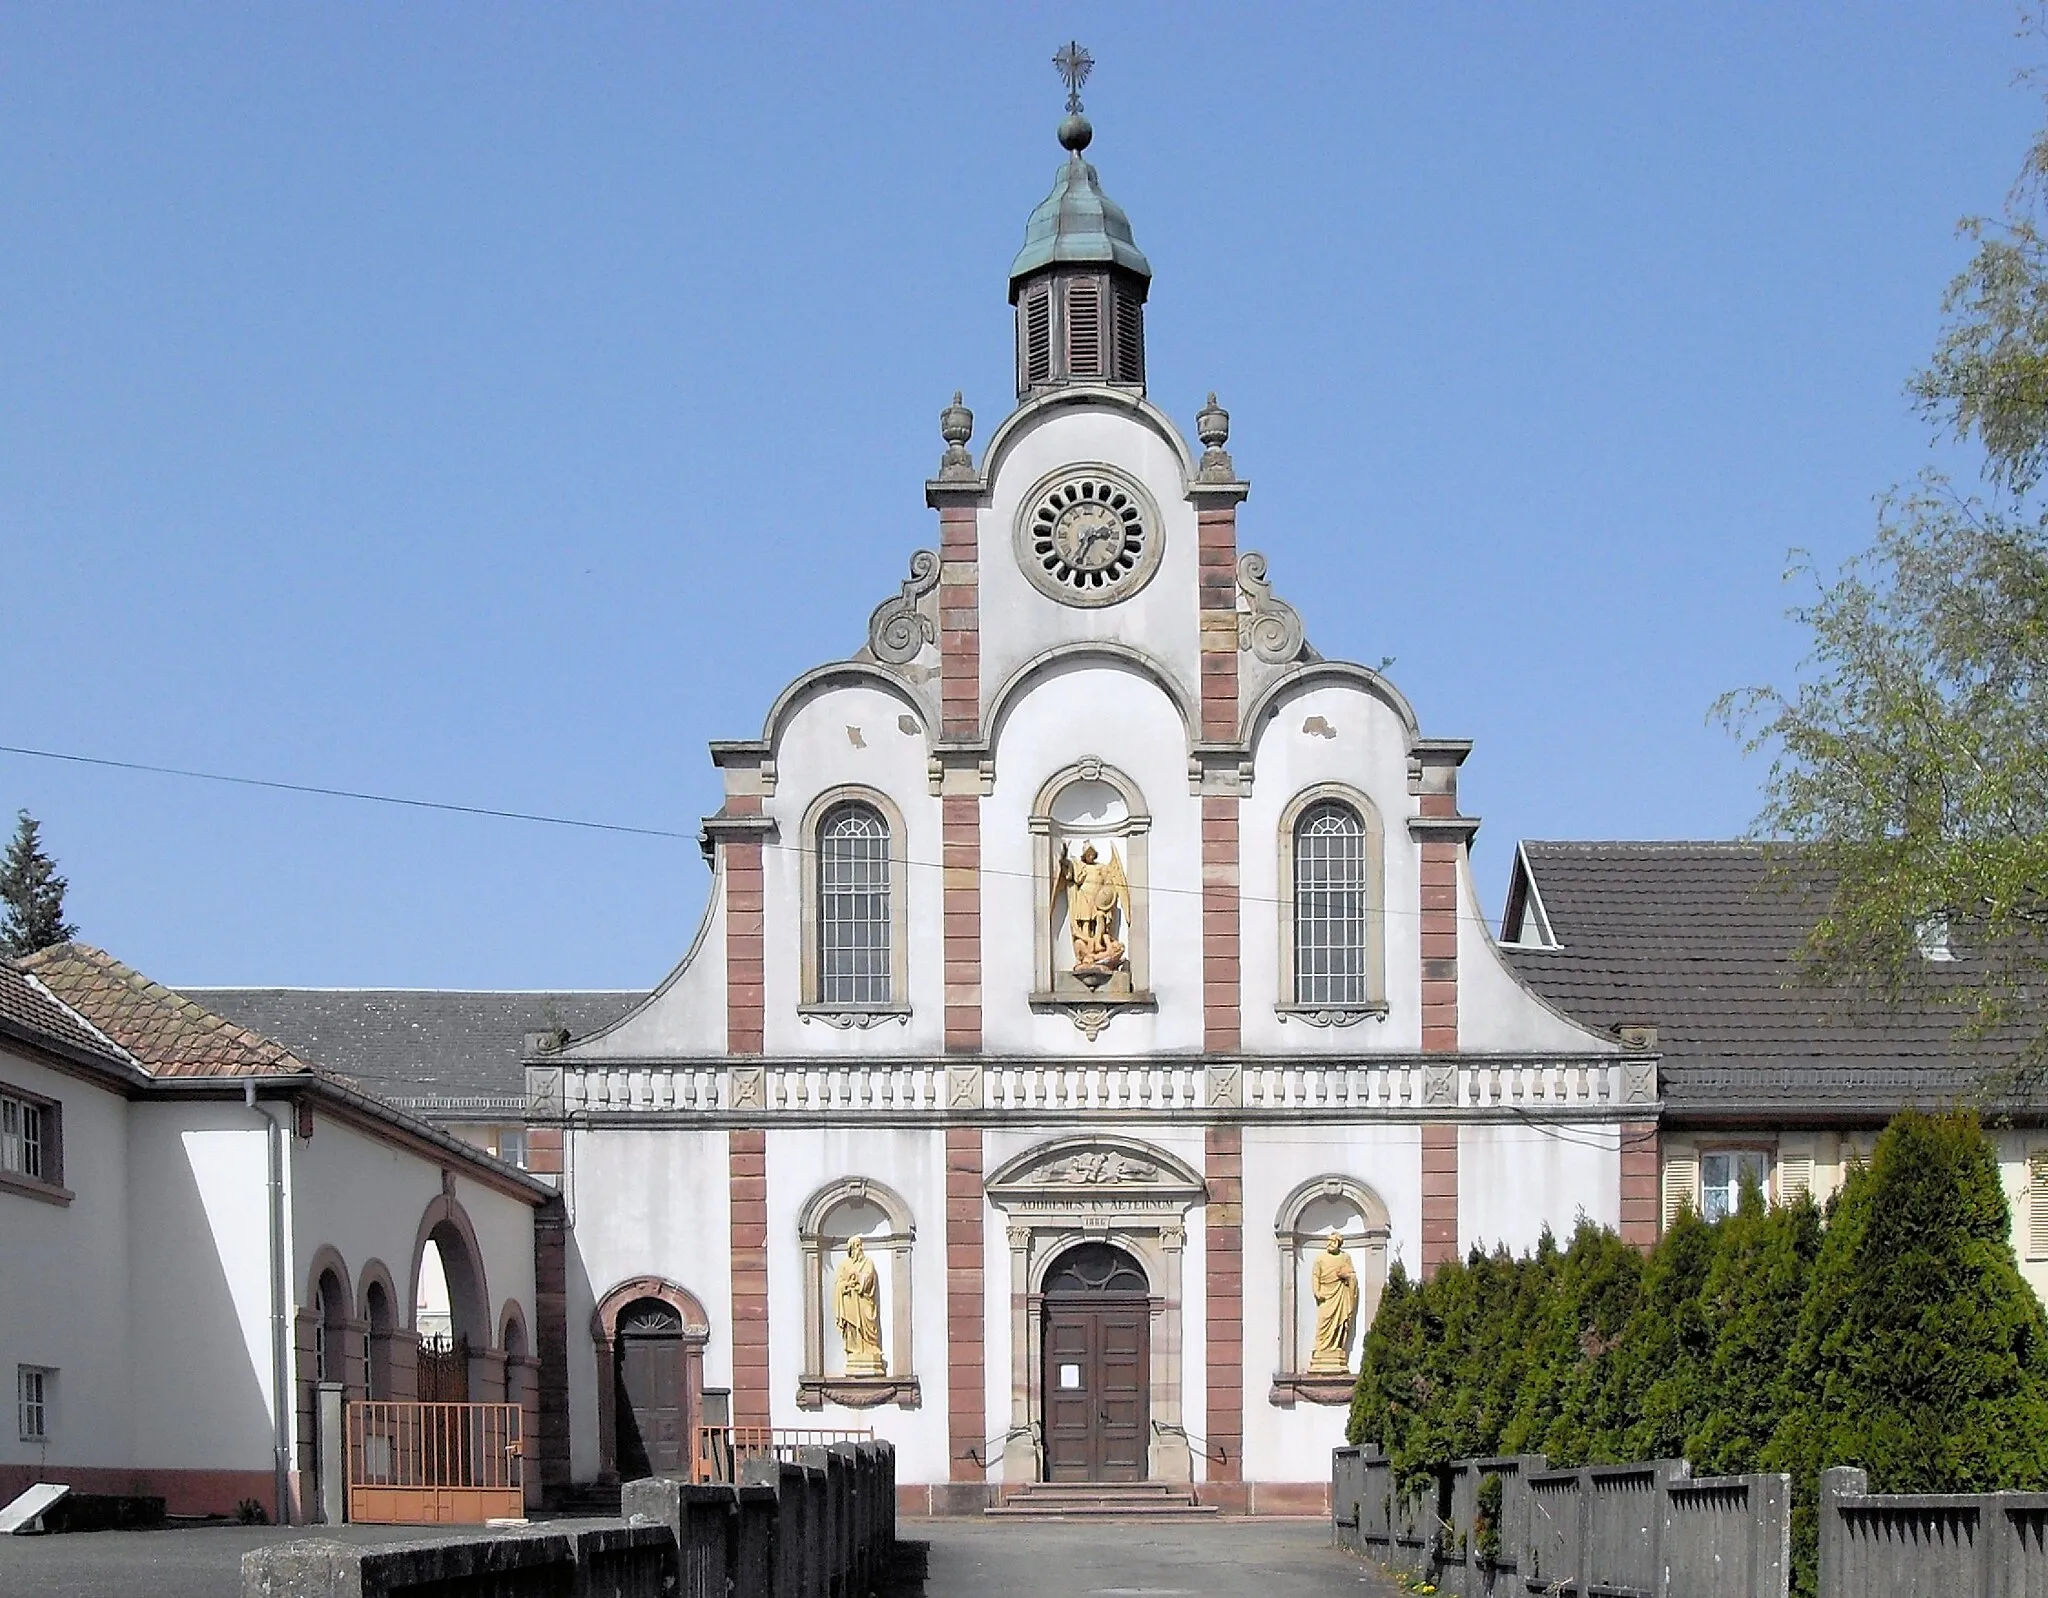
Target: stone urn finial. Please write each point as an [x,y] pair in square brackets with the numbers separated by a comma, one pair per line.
[956,427]
[1212,427]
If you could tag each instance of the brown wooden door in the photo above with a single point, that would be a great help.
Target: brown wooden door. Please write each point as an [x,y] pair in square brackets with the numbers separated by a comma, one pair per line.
[1097,1370]
[652,1416]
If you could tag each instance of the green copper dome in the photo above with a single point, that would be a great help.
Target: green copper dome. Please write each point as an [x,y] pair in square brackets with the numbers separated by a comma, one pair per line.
[1077,224]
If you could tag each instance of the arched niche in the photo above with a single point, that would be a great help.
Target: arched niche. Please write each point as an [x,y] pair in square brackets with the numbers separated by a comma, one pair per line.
[665,1324]
[1090,802]
[1301,1230]
[856,1206]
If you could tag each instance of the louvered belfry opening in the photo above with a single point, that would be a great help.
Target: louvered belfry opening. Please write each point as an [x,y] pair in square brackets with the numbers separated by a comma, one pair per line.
[1080,327]
[1084,328]
[1034,335]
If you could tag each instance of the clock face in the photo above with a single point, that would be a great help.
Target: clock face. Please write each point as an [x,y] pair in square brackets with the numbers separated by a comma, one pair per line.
[1089,538]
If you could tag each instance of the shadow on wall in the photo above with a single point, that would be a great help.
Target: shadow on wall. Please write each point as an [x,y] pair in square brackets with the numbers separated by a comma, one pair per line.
[201,1356]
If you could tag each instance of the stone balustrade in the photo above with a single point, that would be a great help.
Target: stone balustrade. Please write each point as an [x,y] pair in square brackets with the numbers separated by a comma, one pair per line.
[1391,1087]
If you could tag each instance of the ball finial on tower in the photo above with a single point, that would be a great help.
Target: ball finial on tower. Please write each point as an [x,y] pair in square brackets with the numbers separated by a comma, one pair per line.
[1074,64]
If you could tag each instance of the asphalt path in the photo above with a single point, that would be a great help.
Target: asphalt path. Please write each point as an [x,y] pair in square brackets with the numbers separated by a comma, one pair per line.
[961,1559]
[1258,1558]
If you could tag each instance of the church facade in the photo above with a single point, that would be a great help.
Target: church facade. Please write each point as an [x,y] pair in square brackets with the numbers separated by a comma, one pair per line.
[1091,1001]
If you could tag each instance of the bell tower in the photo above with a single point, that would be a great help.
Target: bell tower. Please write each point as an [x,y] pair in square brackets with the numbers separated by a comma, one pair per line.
[1079,284]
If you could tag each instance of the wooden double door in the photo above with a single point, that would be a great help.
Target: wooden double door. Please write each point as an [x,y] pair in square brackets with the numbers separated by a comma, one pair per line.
[1096,1383]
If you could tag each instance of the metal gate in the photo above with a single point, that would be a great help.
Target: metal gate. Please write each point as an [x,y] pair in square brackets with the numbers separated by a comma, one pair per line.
[427,1464]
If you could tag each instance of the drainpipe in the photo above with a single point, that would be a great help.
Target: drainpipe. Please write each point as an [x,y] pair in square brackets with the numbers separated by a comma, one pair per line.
[280,1312]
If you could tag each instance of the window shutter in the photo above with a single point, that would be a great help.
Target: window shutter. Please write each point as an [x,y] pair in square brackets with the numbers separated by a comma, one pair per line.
[1084,328]
[1038,338]
[2037,1204]
[1795,1177]
[1130,338]
[1681,1185]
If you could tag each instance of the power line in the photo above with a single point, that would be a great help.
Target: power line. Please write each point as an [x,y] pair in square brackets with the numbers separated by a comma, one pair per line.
[365,797]
[343,793]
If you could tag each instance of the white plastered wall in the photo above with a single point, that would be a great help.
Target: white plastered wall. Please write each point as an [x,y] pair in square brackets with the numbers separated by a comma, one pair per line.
[853,736]
[365,1198]
[199,1283]
[644,1202]
[1516,1178]
[1336,733]
[912,1162]
[1018,623]
[1122,717]
[1294,1444]
[64,1279]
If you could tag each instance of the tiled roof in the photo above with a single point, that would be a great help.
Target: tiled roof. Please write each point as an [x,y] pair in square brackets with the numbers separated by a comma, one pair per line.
[424,1049]
[168,1033]
[1702,942]
[28,1010]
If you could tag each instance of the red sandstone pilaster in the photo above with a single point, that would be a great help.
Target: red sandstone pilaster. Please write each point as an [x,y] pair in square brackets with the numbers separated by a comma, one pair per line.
[966,1364]
[1223,1273]
[747,1168]
[1641,1205]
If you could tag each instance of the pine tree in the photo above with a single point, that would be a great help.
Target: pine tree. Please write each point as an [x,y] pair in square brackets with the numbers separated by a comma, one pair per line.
[1599,1283]
[1657,1387]
[1384,1401]
[32,893]
[1921,1353]
[1751,1305]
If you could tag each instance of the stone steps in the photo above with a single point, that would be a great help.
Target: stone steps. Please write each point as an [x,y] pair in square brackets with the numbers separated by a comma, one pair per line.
[1151,1500]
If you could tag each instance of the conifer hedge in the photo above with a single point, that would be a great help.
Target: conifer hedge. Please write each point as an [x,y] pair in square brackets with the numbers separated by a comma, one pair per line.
[1895,1332]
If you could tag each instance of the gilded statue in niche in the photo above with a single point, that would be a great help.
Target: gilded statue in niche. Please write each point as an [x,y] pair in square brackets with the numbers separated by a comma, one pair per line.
[857,1307]
[1098,908]
[1335,1286]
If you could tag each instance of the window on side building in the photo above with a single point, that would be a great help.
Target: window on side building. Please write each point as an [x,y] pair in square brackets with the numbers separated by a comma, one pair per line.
[36,1396]
[1722,1173]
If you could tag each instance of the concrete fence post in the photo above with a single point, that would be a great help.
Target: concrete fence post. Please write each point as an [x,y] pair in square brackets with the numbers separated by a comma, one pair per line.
[331,1454]
[753,1564]
[1836,1483]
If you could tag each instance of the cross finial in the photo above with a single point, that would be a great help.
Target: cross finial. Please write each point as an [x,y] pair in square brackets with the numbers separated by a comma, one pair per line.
[1074,64]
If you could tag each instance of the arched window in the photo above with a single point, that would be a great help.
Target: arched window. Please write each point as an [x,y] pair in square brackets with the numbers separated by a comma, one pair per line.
[1332,941]
[853,906]
[1329,905]
[854,938]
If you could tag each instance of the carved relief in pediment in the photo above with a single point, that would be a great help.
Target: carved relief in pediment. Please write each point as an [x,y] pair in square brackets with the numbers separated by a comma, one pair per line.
[1085,1172]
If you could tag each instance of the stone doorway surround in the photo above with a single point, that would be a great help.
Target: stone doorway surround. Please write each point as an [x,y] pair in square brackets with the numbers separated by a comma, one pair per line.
[1106,1189]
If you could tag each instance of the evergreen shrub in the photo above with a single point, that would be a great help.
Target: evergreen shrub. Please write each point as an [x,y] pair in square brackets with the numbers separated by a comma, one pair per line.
[1895,1333]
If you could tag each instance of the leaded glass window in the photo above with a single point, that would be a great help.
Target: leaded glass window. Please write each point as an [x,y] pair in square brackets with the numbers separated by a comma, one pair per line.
[853,906]
[1329,906]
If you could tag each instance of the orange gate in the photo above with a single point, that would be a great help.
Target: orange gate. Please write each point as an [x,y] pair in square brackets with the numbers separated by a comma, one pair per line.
[425,1464]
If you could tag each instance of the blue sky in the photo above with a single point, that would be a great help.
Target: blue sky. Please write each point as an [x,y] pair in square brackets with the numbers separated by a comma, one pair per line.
[493,404]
